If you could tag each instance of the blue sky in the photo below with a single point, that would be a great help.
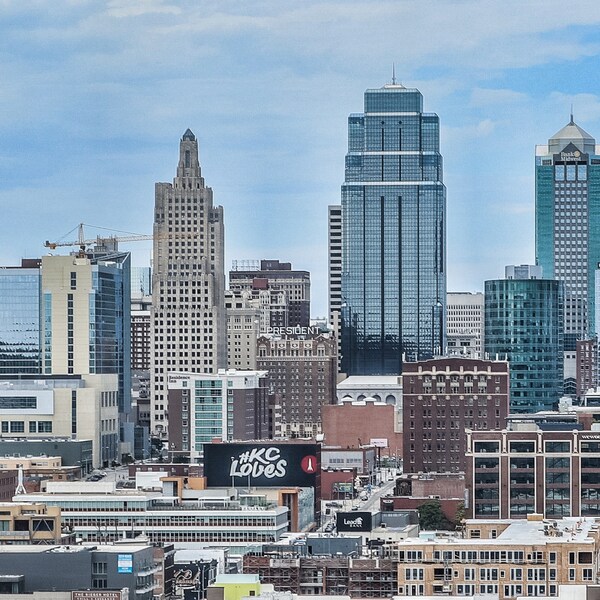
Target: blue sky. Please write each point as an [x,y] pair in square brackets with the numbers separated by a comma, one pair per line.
[95,96]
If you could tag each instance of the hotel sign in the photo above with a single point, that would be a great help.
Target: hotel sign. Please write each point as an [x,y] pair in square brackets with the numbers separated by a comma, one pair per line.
[97,595]
[297,330]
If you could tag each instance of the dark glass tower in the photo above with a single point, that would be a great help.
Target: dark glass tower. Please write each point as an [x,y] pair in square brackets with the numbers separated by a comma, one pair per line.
[393,235]
[524,324]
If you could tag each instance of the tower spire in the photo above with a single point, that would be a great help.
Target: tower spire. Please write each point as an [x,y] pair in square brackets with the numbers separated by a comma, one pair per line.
[393,73]
[571,122]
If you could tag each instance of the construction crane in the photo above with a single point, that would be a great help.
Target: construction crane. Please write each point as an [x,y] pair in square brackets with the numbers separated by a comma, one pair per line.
[99,240]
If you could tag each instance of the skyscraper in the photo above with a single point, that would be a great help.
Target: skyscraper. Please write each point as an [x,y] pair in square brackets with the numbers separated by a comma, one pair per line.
[567,221]
[393,234]
[188,281]
[524,325]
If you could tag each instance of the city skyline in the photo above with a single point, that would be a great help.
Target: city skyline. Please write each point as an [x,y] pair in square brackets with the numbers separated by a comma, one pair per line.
[97,95]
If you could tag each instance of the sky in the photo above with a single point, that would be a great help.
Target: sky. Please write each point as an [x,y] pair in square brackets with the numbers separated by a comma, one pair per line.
[95,96]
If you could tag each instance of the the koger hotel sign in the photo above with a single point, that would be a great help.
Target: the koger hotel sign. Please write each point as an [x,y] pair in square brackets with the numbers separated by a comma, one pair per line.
[262,465]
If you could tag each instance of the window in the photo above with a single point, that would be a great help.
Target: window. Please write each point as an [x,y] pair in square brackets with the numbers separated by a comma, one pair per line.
[17,426]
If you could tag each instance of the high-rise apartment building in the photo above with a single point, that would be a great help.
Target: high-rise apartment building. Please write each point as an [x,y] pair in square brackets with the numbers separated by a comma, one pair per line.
[393,235]
[188,281]
[283,293]
[524,325]
[567,221]
[465,324]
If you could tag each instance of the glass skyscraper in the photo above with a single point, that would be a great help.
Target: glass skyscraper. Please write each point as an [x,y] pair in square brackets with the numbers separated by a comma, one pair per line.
[393,235]
[567,223]
[524,325]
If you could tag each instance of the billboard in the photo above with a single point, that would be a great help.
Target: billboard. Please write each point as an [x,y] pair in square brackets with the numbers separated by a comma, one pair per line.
[260,465]
[354,521]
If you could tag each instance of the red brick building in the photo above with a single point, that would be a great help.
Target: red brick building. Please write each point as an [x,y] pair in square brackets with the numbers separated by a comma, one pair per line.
[352,424]
[443,397]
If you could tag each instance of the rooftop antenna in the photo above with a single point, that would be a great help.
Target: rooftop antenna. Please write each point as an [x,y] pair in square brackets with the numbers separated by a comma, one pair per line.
[393,73]
[572,121]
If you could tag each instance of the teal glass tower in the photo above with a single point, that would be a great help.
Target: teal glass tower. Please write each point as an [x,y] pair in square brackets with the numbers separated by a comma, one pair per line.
[393,235]
[524,325]
[567,222]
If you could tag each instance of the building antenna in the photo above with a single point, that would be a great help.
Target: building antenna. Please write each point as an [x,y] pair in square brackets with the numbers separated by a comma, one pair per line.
[393,73]
[572,121]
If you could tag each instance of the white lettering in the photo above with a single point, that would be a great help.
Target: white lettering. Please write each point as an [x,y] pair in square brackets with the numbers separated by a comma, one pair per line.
[297,330]
[358,522]
[259,462]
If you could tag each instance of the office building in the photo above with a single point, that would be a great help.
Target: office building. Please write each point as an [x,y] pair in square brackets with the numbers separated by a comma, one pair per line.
[214,519]
[283,293]
[524,325]
[465,324]
[393,235]
[441,398]
[334,258]
[229,405]
[20,337]
[243,329]
[567,219]
[83,571]
[587,366]
[188,281]
[302,372]
[547,465]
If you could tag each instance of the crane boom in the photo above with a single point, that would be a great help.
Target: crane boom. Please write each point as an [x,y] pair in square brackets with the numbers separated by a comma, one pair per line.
[83,243]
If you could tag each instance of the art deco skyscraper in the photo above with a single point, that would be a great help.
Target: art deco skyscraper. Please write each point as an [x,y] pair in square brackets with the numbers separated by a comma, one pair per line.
[188,282]
[393,235]
[567,221]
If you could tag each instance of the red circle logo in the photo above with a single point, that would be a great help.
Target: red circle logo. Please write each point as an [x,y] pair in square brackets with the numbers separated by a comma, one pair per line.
[309,464]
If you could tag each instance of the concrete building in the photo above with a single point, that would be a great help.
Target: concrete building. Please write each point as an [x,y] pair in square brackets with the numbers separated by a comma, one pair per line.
[383,388]
[73,453]
[188,281]
[31,524]
[100,512]
[283,293]
[77,407]
[229,405]
[441,398]
[243,329]
[79,569]
[524,325]
[350,424]
[302,374]
[393,235]
[465,324]
[502,558]
[140,333]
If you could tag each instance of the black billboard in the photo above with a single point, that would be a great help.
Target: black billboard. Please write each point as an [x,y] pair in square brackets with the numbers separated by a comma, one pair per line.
[354,521]
[260,465]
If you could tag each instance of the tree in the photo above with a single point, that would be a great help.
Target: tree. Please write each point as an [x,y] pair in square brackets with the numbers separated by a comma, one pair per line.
[431,516]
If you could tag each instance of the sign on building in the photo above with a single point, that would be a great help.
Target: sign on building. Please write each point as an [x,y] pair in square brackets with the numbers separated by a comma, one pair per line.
[354,521]
[260,465]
